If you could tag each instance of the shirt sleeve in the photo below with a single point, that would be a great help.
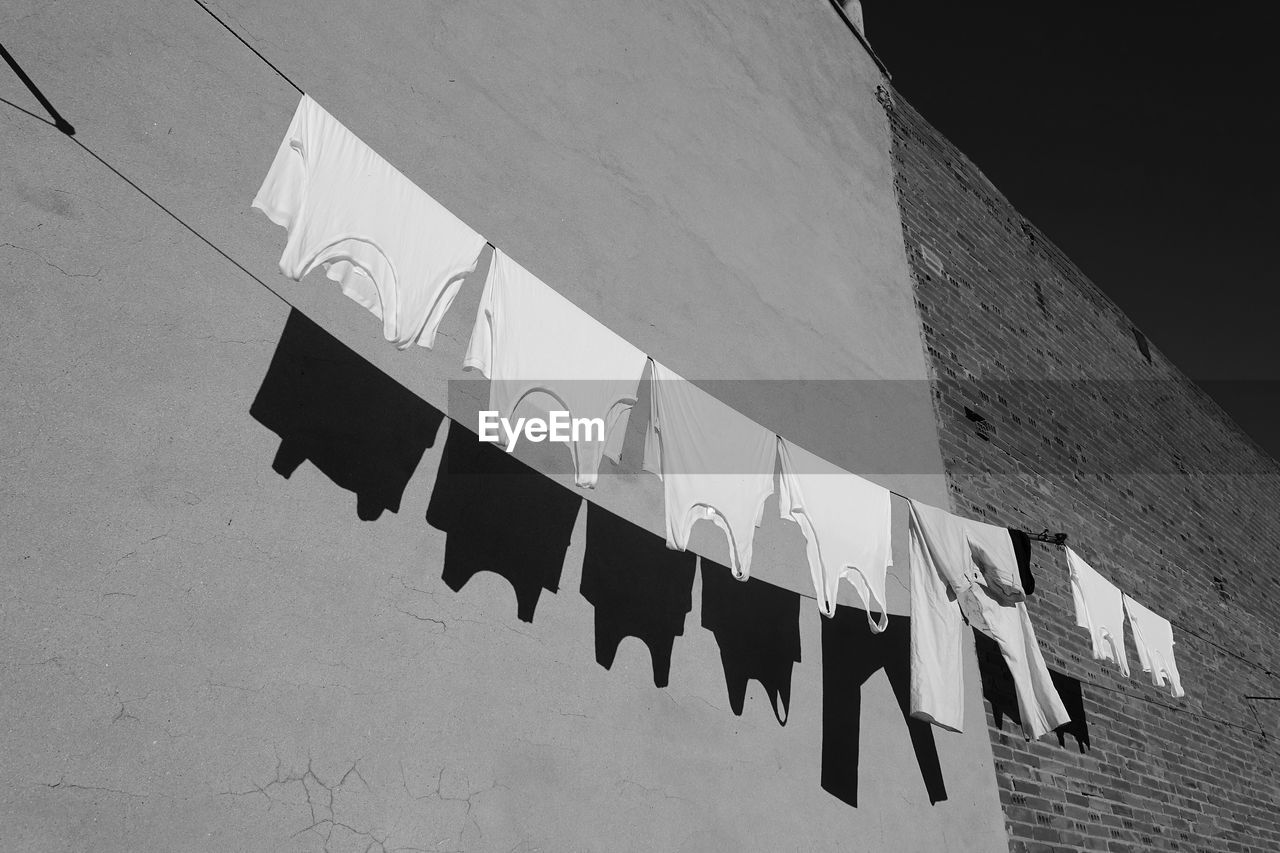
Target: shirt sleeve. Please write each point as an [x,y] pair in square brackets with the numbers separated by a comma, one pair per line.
[280,196]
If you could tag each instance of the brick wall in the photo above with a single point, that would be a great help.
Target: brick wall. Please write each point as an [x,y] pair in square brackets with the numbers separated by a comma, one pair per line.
[1051,416]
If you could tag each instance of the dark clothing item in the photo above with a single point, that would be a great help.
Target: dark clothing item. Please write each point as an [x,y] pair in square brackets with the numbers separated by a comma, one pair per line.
[1022,548]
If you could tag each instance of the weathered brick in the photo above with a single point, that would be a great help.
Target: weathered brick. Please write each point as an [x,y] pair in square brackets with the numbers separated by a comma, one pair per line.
[1155,486]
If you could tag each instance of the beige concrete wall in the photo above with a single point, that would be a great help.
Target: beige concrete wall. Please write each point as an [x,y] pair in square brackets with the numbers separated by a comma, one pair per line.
[200,654]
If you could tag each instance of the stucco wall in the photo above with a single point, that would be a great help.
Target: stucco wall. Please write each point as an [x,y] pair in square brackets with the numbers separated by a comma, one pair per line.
[203,654]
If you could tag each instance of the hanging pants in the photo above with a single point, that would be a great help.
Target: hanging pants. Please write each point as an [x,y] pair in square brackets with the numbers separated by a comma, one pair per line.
[947,589]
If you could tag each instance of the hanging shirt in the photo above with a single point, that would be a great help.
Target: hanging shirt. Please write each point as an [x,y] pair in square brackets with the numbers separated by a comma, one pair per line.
[392,248]
[1100,610]
[1153,637]
[846,524]
[715,463]
[532,342]
[946,581]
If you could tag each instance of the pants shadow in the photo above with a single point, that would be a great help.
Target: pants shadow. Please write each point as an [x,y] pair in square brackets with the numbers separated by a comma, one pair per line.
[501,516]
[851,654]
[359,427]
[757,626]
[998,690]
[638,587]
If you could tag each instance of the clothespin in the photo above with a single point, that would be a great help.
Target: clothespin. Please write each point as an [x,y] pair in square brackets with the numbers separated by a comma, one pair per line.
[1059,539]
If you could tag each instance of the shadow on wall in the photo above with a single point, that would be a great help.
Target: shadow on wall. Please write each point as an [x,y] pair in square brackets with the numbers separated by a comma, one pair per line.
[359,427]
[501,516]
[368,433]
[638,587]
[851,654]
[757,626]
[997,689]
[58,121]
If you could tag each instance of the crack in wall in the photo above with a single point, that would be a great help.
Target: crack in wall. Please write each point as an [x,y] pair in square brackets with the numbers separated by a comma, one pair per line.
[325,817]
[438,795]
[50,263]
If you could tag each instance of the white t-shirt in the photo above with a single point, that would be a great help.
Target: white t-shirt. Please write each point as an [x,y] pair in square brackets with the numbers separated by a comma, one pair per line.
[533,343]
[1100,609]
[392,248]
[846,524]
[1153,637]
[715,464]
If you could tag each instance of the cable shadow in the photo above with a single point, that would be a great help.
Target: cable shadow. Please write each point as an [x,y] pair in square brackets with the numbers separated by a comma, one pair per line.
[28,112]
[358,426]
[757,626]
[998,690]
[58,121]
[851,654]
[638,587]
[500,516]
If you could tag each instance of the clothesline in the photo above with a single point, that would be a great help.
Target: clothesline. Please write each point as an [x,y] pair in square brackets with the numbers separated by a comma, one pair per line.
[1056,539]
[1175,708]
[1045,536]
[256,53]
[682,419]
[271,290]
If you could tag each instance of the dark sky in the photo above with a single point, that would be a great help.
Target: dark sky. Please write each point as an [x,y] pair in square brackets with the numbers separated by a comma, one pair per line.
[1143,140]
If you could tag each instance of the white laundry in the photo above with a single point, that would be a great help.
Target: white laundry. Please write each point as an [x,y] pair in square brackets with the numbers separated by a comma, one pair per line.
[1100,610]
[1153,637]
[937,548]
[945,579]
[392,248]
[846,524]
[715,464]
[993,554]
[533,343]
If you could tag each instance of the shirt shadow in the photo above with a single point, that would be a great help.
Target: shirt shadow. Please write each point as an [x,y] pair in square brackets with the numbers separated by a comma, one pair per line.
[757,627]
[329,406]
[501,516]
[367,433]
[638,587]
